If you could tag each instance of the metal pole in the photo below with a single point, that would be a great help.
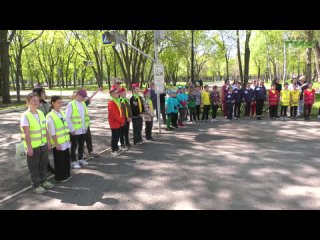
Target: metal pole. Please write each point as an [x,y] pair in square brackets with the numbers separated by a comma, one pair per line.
[284,64]
[158,94]
[192,56]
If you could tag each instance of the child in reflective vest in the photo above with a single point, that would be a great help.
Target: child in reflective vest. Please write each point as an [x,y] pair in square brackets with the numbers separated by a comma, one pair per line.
[309,97]
[127,113]
[36,141]
[294,101]
[59,139]
[148,115]
[285,102]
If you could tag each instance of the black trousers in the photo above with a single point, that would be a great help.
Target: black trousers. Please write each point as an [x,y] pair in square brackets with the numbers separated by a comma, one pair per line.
[307,110]
[174,119]
[247,109]
[229,110]
[77,141]
[214,111]
[193,115]
[89,140]
[198,112]
[124,135]
[137,129]
[115,135]
[148,129]
[205,114]
[62,164]
[259,107]
[163,111]
[284,110]
[273,111]
[293,111]
[237,106]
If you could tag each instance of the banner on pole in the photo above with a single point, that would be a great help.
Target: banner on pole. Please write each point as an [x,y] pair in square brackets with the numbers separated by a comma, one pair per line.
[158,72]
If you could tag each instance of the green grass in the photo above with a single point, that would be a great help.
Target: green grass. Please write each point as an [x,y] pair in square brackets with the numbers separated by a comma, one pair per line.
[11,106]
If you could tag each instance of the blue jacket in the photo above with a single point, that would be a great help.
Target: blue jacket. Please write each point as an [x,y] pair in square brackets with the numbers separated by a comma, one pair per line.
[260,93]
[248,95]
[229,98]
[238,94]
[182,97]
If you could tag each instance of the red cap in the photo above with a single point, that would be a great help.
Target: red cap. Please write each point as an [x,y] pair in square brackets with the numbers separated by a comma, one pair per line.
[135,85]
[121,90]
[113,88]
[146,91]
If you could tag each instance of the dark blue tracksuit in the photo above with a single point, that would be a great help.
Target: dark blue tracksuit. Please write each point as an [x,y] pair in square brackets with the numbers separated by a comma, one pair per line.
[248,98]
[229,99]
[260,95]
[238,94]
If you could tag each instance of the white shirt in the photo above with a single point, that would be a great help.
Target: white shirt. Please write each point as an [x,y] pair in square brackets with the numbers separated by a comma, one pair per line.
[253,86]
[81,110]
[290,87]
[25,122]
[52,130]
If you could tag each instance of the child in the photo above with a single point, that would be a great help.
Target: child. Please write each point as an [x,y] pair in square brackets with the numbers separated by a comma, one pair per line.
[215,102]
[238,95]
[78,122]
[136,103]
[224,92]
[205,99]
[36,142]
[260,95]
[309,98]
[182,98]
[60,140]
[127,113]
[169,109]
[285,101]
[116,120]
[197,94]
[294,101]
[248,98]
[192,105]
[175,102]
[229,99]
[273,101]
[254,103]
[149,114]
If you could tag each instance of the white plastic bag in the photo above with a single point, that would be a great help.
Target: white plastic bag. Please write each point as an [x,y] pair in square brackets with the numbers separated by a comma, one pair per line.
[21,157]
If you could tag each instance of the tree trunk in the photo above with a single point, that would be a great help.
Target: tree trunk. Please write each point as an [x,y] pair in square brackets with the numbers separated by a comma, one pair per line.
[317,58]
[239,56]
[4,66]
[246,59]
[308,58]
[227,65]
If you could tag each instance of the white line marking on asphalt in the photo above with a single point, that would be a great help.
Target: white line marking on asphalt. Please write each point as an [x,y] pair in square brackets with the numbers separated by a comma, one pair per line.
[19,192]
[9,143]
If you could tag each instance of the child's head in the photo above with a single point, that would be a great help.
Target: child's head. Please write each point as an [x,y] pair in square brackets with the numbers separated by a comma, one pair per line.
[261,82]
[238,84]
[273,86]
[33,100]
[254,82]
[206,88]
[41,92]
[146,93]
[295,85]
[310,85]
[114,92]
[122,92]
[135,88]
[215,88]
[56,102]
[248,85]
[81,95]
[286,86]
[230,89]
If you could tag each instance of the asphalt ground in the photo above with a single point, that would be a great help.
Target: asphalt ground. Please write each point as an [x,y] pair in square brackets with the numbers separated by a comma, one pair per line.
[238,164]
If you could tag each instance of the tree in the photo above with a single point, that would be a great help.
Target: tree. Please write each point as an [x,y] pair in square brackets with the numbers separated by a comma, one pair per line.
[4,64]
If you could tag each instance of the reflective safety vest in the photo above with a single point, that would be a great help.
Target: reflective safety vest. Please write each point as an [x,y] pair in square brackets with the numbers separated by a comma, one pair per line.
[38,130]
[76,118]
[61,128]
[295,97]
[285,97]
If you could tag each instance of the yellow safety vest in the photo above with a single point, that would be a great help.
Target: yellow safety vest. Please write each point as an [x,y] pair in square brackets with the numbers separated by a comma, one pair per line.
[76,118]
[285,98]
[38,130]
[295,97]
[62,130]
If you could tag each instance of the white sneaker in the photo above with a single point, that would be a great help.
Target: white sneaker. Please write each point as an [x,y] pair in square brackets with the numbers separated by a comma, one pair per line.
[75,164]
[116,153]
[83,162]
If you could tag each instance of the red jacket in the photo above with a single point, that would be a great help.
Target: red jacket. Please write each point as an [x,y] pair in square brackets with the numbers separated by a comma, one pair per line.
[115,120]
[309,96]
[273,98]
